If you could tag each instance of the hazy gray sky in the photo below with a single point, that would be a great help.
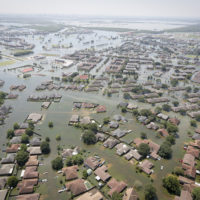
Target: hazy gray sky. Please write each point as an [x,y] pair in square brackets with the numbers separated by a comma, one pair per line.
[160,8]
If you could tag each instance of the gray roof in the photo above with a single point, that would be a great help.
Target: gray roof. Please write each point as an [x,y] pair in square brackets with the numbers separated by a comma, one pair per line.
[10,158]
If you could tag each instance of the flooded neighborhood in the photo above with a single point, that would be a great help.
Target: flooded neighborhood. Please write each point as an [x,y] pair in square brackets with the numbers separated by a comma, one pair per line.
[95,108]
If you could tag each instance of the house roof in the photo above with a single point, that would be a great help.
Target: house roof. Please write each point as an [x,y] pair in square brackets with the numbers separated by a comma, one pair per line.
[34,196]
[130,194]
[13,148]
[92,162]
[93,194]
[110,143]
[70,172]
[102,173]
[189,159]
[3,181]
[6,169]
[76,187]
[32,161]
[185,195]
[10,158]
[30,173]
[34,150]
[3,194]
[116,186]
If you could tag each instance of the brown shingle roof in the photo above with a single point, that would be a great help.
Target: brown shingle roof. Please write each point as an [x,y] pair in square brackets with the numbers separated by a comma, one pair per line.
[76,187]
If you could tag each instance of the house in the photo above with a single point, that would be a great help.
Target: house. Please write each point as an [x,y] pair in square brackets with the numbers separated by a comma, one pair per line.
[93,194]
[26,186]
[174,121]
[91,162]
[3,181]
[113,124]
[152,125]
[16,140]
[110,143]
[34,117]
[32,161]
[101,109]
[188,161]
[45,104]
[6,169]
[116,186]
[10,158]
[133,154]
[119,133]
[74,119]
[34,150]
[193,151]
[35,141]
[102,173]
[132,106]
[70,152]
[3,194]
[85,120]
[35,196]
[19,132]
[70,172]
[101,137]
[162,116]
[122,148]
[31,173]
[13,148]
[163,132]
[146,166]
[76,187]
[185,195]
[130,194]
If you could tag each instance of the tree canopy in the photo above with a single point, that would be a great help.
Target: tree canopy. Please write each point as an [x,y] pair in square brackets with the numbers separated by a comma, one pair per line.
[22,157]
[171,183]
[45,148]
[150,192]
[89,137]
[144,149]
[57,163]
[12,181]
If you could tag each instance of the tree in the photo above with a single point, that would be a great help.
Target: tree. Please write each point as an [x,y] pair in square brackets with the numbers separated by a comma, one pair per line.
[175,103]
[145,112]
[165,151]
[10,133]
[85,174]
[126,95]
[69,161]
[193,123]
[116,196]
[89,137]
[198,118]
[150,192]
[12,181]
[106,120]
[170,139]
[50,124]
[123,110]
[144,149]
[25,139]
[16,126]
[45,148]
[166,107]
[31,125]
[171,183]
[29,131]
[158,110]
[178,171]
[58,137]
[23,147]
[182,112]
[77,159]
[57,163]
[143,135]
[174,82]
[22,157]
[47,139]
[196,193]
[171,128]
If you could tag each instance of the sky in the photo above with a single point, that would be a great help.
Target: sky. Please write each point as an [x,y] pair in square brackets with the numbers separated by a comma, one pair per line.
[135,8]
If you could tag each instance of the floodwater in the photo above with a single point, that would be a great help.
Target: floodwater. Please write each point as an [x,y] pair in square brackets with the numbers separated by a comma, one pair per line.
[60,113]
